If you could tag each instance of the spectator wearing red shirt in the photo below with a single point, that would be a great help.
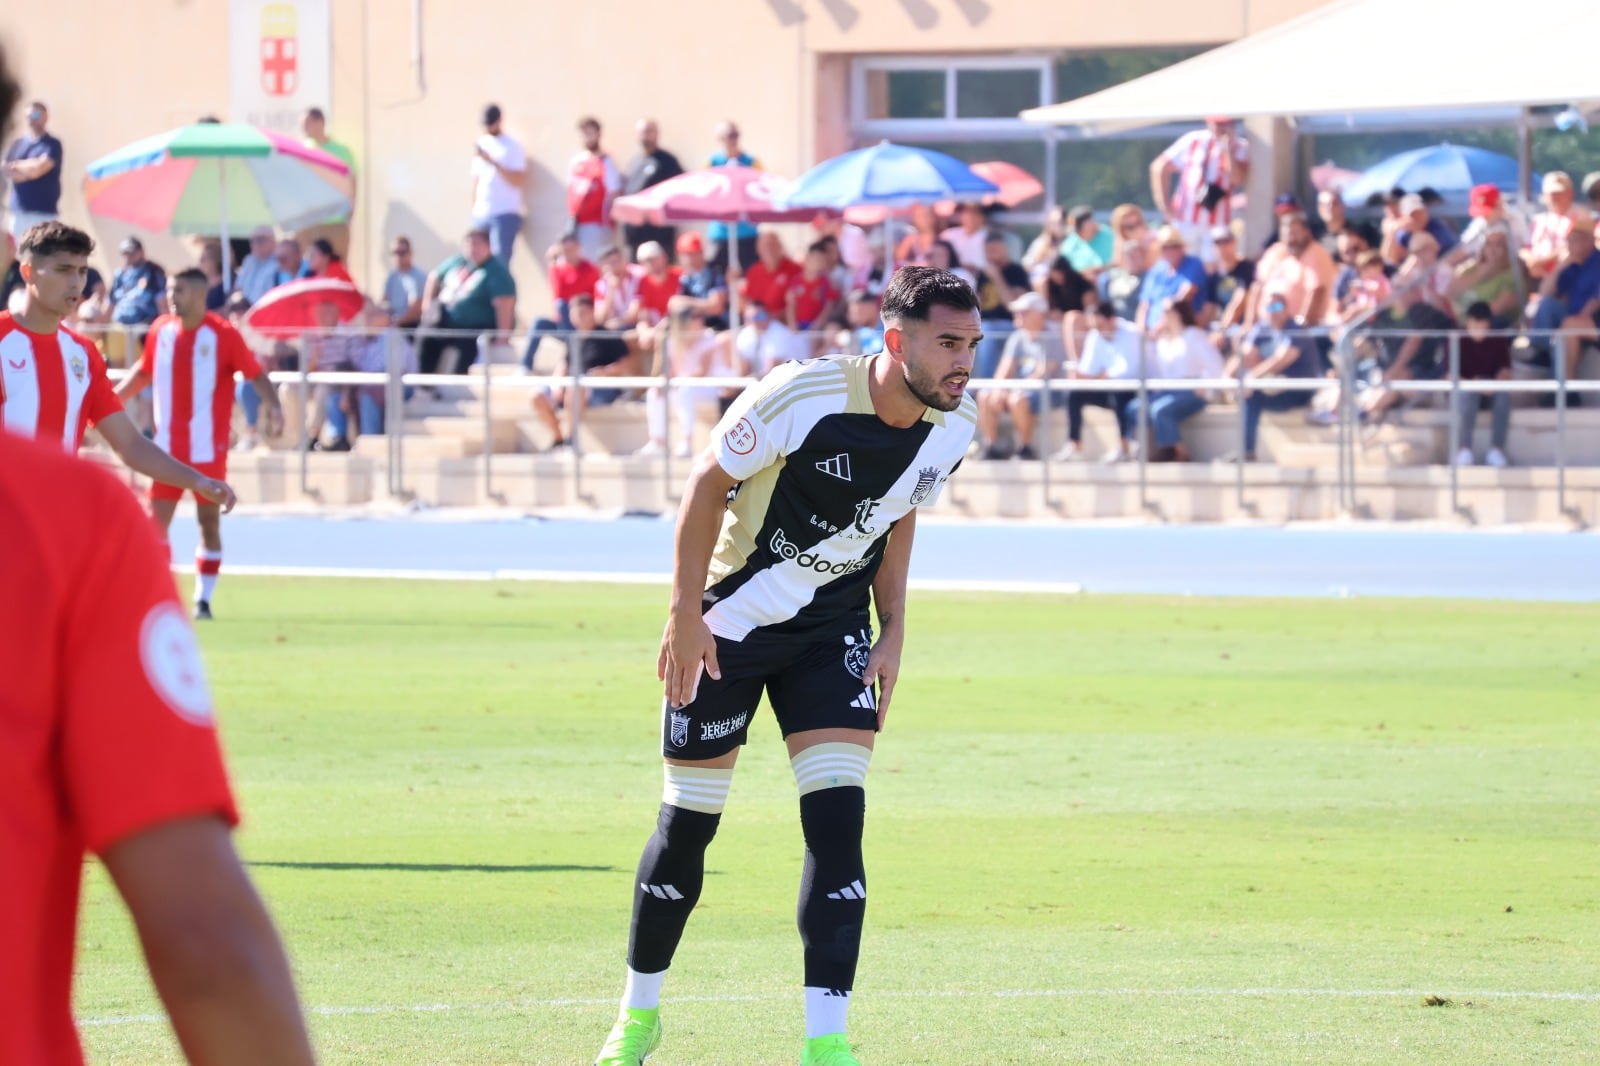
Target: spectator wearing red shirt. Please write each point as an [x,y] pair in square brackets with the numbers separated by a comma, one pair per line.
[325,262]
[657,285]
[593,181]
[768,279]
[812,297]
[570,275]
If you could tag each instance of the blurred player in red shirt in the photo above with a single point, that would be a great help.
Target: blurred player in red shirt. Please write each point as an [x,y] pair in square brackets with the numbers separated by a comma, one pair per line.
[190,357]
[107,745]
[53,382]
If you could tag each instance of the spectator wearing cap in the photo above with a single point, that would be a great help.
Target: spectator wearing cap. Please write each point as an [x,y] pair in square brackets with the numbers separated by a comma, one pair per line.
[1182,350]
[33,167]
[258,271]
[701,286]
[1569,300]
[1548,240]
[469,293]
[499,174]
[969,237]
[651,165]
[1488,211]
[1113,351]
[1210,164]
[139,287]
[570,275]
[731,150]
[1030,354]
[1298,267]
[1285,203]
[1089,246]
[1174,276]
[1227,282]
[1276,347]
[1415,218]
[593,181]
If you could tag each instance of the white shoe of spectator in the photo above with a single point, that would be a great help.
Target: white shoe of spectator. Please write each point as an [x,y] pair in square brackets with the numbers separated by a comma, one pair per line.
[1069,452]
[247,443]
[1497,459]
[1115,456]
[683,451]
[1464,457]
[653,447]
[1323,418]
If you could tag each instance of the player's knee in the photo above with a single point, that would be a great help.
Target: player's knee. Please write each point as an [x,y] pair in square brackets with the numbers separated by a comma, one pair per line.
[692,799]
[838,764]
[833,799]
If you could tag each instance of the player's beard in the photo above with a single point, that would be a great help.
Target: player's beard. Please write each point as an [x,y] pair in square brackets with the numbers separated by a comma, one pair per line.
[930,391]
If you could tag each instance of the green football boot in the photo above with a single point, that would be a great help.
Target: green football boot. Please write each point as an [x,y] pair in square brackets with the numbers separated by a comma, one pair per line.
[636,1034]
[830,1050]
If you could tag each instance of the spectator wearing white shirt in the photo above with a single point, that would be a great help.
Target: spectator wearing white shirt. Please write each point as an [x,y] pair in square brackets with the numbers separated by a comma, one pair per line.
[764,342]
[1113,351]
[499,172]
[1030,354]
[1548,241]
[258,271]
[1182,350]
[969,238]
[696,352]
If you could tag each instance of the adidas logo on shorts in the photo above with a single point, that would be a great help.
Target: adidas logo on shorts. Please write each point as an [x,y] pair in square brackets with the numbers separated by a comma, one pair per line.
[865,701]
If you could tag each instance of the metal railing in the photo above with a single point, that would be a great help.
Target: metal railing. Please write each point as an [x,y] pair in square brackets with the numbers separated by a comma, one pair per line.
[397,382]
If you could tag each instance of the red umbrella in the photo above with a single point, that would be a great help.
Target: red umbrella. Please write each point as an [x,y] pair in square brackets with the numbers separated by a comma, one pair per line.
[1016,184]
[291,309]
[717,194]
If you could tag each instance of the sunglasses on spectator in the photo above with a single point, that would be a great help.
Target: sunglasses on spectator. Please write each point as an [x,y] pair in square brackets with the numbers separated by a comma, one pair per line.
[399,250]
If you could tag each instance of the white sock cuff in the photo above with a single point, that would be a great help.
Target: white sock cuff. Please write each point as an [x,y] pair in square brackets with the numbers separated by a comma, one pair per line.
[838,764]
[696,788]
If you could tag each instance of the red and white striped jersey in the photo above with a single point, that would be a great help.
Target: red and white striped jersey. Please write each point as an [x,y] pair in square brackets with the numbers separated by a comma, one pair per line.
[191,375]
[1199,157]
[1549,237]
[52,386]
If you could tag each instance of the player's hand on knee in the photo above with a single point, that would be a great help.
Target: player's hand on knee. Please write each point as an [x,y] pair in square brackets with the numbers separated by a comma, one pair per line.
[883,667]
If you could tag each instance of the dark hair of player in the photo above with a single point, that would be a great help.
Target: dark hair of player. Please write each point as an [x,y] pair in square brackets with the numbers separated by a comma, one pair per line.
[191,276]
[53,238]
[914,291]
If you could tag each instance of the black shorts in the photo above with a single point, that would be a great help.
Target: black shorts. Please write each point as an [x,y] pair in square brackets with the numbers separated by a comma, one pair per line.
[812,683]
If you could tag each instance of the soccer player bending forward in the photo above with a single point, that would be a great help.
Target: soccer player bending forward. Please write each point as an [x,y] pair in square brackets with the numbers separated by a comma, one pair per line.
[801,511]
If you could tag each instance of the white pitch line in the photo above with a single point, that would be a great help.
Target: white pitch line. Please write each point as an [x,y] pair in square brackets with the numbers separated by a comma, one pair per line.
[606,577]
[1016,993]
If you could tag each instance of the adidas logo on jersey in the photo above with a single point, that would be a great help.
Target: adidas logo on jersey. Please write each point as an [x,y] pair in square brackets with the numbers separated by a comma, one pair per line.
[838,466]
[665,891]
[865,701]
[854,890]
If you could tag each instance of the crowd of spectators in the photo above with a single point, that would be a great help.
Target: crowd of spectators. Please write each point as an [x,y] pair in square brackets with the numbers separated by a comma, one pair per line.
[1098,294]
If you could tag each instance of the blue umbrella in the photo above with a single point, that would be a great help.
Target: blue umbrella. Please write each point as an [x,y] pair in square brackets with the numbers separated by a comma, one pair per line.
[891,175]
[1449,169]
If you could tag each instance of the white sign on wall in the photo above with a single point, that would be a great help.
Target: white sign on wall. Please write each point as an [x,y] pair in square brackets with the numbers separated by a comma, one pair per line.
[280,60]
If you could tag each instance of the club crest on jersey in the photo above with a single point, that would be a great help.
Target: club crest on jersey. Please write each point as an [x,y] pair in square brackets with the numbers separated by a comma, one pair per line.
[856,654]
[79,367]
[927,479]
[679,734]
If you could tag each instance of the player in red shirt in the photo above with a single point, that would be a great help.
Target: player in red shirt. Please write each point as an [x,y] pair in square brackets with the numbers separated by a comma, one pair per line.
[812,296]
[767,280]
[110,747]
[190,357]
[53,382]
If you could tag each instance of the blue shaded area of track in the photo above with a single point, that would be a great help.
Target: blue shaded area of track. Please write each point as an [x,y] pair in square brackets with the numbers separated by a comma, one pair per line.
[1199,560]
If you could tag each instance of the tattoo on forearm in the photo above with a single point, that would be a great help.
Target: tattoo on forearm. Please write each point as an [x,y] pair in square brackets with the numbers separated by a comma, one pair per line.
[885,619]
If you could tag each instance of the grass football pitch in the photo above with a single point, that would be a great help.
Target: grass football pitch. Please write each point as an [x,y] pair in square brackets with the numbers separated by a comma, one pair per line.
[1127,831]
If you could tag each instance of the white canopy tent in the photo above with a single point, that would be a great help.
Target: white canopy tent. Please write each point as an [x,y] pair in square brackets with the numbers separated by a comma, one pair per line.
[1478,61]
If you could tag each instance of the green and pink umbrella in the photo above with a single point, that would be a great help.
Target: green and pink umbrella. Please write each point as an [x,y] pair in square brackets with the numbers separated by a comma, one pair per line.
[212,176]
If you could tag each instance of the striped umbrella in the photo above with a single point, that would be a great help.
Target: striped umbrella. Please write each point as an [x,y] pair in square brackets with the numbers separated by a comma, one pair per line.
[208,177]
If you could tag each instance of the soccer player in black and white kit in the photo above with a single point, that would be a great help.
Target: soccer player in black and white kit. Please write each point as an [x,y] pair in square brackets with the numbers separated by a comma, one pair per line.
[798,517]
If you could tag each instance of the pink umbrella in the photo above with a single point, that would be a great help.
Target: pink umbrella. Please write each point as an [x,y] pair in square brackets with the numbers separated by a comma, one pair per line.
[1330,175]
[718,194]
[289,310]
